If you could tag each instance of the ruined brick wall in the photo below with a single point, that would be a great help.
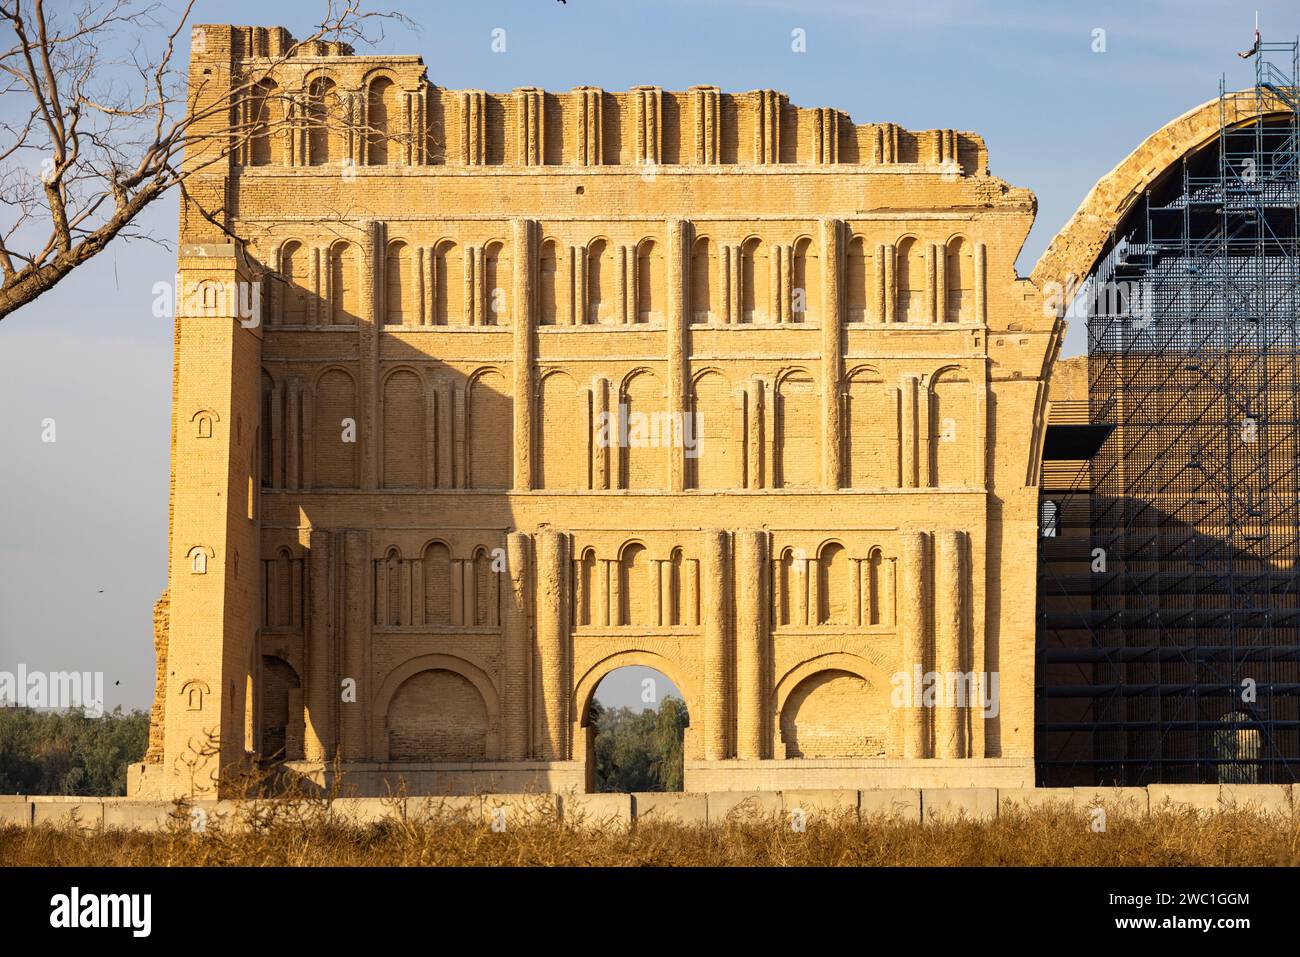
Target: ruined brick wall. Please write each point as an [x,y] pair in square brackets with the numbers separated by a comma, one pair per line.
[154,753]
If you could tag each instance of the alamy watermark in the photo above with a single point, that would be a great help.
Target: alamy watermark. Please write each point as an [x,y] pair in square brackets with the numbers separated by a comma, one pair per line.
[946,689]
[1129,299]
[77,909]
[626,429]
[209,297]
[53,690]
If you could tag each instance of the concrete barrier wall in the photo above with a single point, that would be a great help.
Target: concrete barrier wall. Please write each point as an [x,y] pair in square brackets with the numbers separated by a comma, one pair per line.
[913,805]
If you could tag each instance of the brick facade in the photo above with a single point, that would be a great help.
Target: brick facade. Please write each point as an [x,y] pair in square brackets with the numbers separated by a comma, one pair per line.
[453,477]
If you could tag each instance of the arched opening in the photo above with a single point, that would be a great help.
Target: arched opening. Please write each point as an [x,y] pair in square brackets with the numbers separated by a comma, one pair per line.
[404,412]
[487,594]
[437,584]
[324,123]
[496,285]
[437,715]
[638,719]
[753,281]
[855,281]
[563,424]
[834,714]
[952,428]
[586,605]
[547,277]
[599,276]
[878,590]
[641,457]
[281,711]
[379,113]
[265,124]
[390,590]
[397,291]
[279,590]
[798,424]
[833,585]
[911,281]
[701,281]
[712,462]
[959,279]
[790,595]
[805,302]
[269,427]
[448,305]
[345,303]
[870,432]
[490,413]
[682,590]
[636,597]
[204,421]
[649,282]
[295,271]
[334,427]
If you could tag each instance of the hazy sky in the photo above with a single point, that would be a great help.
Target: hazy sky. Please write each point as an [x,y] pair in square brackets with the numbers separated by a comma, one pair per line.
[83,520]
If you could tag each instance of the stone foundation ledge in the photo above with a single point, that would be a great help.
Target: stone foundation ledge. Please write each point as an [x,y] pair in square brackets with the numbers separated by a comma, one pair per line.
[376,780]
[916,805]
[858,774]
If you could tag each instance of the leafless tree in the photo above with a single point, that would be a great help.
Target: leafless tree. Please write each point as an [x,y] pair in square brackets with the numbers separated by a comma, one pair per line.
[97,121]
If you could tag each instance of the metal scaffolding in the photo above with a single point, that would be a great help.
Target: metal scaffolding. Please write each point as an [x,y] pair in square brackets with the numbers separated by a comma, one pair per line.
[1169,602]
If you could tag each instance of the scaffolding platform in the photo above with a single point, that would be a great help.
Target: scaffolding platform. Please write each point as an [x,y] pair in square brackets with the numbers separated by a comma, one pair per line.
[1169,599]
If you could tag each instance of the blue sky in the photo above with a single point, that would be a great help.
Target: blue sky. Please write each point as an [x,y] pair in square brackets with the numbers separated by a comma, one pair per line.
[83,521]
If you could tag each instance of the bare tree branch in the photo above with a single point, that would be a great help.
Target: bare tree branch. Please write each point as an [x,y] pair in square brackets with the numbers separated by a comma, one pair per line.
[106,149]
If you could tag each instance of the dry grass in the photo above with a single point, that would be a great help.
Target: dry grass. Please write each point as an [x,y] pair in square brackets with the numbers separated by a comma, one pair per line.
[310,836]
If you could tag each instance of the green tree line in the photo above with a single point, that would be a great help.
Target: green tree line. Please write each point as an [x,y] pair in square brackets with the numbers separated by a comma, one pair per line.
[53,752]
[48,752]
[640,752]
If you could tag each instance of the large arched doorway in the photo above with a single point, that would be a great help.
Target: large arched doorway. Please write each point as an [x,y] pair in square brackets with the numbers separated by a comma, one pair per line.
[436,708]
[834,706]
[437,715]
[636,719]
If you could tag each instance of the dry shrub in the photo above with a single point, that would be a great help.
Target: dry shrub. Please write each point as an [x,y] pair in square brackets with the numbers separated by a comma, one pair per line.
[307,832]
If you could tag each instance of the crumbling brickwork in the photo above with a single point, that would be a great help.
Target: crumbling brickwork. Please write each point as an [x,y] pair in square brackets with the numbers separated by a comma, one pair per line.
[154,753]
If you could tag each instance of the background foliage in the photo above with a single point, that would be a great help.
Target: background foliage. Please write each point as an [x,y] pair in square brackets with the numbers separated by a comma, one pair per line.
[69,753]
[48,752]
[640,752]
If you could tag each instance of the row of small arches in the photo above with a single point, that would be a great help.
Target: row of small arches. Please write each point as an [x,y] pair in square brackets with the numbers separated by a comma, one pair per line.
[383,122]
[749,283]
[832,588]
[635,589]
[430,438]
[440,590]
[828,589]
[417,422]
[326,118]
